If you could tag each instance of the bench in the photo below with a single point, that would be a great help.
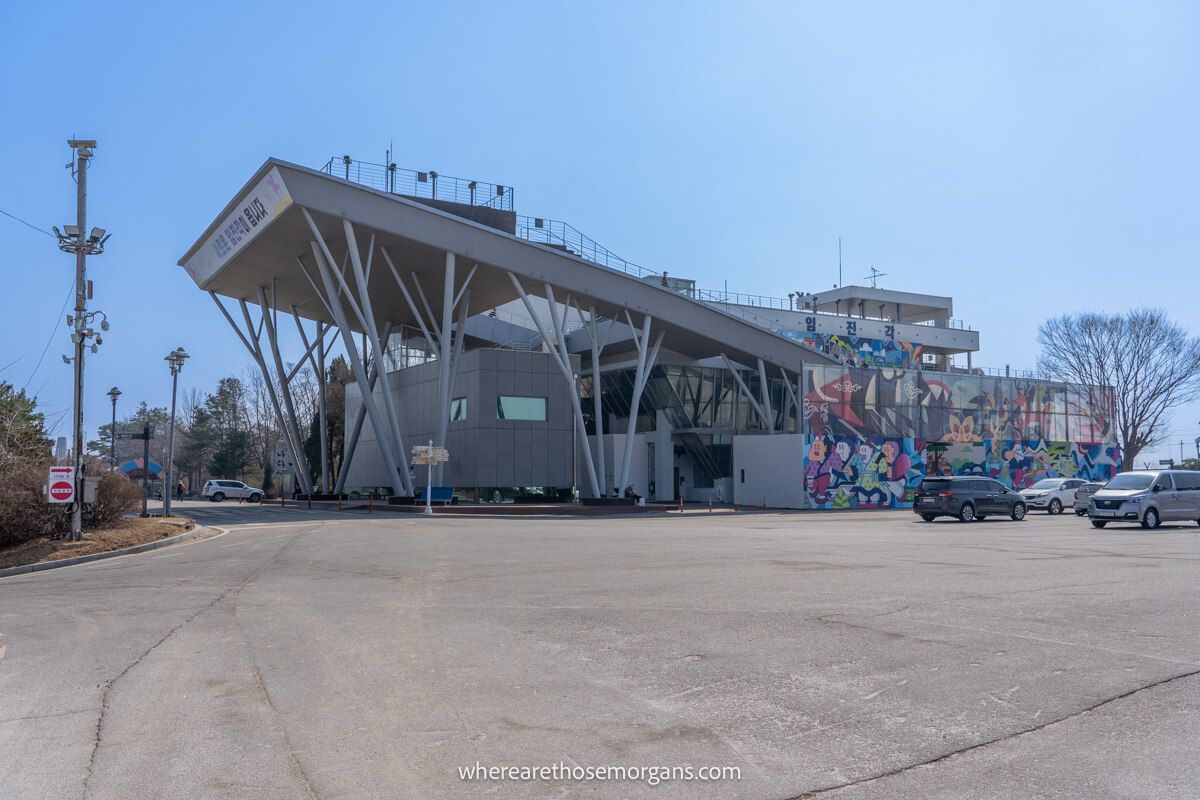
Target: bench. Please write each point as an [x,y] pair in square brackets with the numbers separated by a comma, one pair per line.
[439,494]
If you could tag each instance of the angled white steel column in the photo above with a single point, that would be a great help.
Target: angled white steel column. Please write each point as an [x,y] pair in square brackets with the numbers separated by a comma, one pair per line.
[444,351]
[252,345]
[350,434]
[366,316]
[764,391]
[387,446]
[289,405]
[318,365]
[795,400]
[745,392]
[597,345]
[558,348]
[647,355]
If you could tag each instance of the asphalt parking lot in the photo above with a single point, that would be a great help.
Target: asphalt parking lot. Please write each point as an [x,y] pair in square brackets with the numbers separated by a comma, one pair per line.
[309,654]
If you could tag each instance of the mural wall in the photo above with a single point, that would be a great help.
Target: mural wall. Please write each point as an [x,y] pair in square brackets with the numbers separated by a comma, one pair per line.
[937,406]
[861,350]
[843,472]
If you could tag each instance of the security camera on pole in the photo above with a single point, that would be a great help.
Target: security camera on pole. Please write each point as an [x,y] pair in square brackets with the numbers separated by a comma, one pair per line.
[77,240]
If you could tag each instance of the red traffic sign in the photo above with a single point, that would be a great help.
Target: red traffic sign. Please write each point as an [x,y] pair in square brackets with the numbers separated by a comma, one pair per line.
[61,485]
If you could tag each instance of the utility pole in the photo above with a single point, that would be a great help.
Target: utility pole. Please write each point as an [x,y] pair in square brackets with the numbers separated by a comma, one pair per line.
[78,241]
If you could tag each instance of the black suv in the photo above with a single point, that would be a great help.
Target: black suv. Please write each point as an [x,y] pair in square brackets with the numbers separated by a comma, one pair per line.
[967,498]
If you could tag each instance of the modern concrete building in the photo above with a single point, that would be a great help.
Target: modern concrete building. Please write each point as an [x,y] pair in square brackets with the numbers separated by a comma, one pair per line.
[550,368]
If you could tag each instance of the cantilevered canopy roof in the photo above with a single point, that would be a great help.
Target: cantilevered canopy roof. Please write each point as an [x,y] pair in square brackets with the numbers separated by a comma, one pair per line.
[257,239]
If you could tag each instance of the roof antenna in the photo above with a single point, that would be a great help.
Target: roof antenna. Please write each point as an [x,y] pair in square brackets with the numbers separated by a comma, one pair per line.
[874,277]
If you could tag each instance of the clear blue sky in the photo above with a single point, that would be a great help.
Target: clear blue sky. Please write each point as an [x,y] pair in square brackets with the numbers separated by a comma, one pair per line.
[1026,158]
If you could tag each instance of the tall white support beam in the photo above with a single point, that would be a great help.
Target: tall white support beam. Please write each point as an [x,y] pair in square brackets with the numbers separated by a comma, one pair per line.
[251,342]
[350,433]
[597,345]
[794,398]
[647,355]
[764,392]
[324,261]
[371,335]
[292,422]
[758,409]
[444,354]
[558,348]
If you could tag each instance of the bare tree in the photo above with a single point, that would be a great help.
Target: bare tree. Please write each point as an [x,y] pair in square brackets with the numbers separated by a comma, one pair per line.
[1152,365]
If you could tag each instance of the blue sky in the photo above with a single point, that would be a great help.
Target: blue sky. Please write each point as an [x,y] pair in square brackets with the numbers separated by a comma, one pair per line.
[1028,159]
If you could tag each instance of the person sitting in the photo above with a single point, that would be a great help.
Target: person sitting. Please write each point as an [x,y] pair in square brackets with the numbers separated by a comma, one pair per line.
[630,494]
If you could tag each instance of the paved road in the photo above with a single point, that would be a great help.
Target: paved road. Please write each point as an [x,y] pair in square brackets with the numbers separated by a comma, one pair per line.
[318,655]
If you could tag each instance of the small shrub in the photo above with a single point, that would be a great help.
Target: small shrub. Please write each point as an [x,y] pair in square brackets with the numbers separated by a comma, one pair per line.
[24,512]
[116,496]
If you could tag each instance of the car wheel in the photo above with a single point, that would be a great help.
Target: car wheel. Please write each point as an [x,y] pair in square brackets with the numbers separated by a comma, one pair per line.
[1018,512]
[1150,519]
[218,497]
[1055,506]
[930,517]
[1098,523]
[966,513]
[254,497]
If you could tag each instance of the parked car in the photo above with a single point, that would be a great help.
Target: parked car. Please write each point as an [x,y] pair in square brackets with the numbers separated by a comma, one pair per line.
[217,491]
[967,499]
[1149,497]
[1052,495]
[1083,496]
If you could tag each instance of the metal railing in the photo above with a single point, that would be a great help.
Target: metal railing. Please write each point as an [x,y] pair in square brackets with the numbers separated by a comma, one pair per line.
[429,184]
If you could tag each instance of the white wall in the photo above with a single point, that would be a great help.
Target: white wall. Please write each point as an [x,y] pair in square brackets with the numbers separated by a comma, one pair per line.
[773,468]
[614,456]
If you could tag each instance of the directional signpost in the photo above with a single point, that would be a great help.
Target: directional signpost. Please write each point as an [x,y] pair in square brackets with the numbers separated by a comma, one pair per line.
[429,455]
[146,435]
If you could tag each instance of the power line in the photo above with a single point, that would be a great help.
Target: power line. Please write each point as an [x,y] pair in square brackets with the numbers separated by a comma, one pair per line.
[50,339]
[26,224]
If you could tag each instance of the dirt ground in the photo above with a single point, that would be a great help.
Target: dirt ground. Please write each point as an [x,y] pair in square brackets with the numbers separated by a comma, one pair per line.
[132,532]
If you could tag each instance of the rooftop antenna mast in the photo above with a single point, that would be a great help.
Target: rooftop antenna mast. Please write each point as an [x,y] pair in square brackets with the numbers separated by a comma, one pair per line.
[839,262]
[874,277]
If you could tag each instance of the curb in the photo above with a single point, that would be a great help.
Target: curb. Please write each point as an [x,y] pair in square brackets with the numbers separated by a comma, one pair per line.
[125,551]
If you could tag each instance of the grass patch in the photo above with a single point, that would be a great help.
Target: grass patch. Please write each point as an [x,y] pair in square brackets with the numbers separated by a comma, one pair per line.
[128,533]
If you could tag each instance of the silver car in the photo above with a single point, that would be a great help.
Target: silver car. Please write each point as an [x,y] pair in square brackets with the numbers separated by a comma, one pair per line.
[1083,496]
[1149,497]
[217,491]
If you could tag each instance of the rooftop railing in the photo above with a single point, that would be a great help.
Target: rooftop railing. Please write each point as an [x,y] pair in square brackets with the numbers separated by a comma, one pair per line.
[429,184]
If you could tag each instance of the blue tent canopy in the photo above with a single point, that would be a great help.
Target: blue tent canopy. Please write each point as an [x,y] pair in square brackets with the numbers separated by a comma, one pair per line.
[134,469]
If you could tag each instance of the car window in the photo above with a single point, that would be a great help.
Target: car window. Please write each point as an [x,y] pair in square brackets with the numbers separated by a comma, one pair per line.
[1163,482]
[229,484]
[979,486]
[996,486]
[1130,481]
[935,485]
[1187,480]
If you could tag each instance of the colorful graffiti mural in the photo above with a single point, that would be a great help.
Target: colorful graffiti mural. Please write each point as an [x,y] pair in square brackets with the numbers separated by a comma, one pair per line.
[883,472]
[937,406]
[861,350]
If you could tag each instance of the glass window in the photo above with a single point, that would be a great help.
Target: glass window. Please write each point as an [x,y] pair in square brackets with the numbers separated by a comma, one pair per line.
[458,409]
[980,486]
[1130,480]
[1164,482]
[529,408]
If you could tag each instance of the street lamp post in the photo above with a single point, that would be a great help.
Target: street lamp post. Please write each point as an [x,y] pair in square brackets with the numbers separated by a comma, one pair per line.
[113,394]
[175,359]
